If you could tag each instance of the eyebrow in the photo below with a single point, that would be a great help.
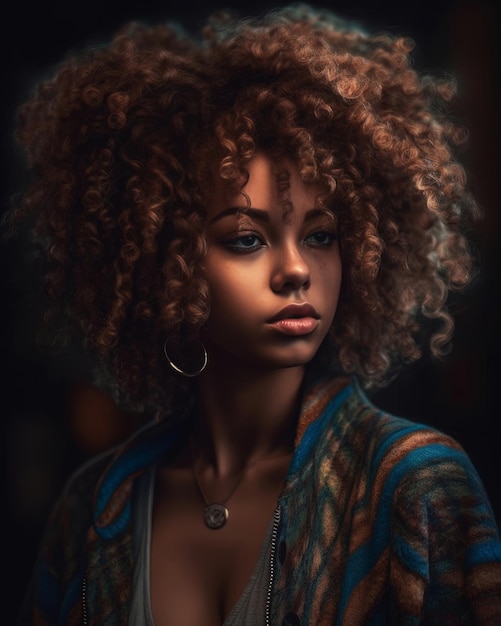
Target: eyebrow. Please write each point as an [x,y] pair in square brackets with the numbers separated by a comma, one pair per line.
[259,214]
[262,214]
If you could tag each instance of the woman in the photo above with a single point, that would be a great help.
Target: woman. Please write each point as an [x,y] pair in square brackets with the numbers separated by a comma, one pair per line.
[249,229]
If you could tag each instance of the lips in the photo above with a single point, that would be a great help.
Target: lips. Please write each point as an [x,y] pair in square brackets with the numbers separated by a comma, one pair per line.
[295,311]
[295,320]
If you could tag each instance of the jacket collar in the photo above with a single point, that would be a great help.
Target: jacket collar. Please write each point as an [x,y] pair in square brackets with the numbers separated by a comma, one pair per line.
[320,402]
[112,502]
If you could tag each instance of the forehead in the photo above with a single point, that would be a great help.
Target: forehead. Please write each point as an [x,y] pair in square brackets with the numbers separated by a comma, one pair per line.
[270,185]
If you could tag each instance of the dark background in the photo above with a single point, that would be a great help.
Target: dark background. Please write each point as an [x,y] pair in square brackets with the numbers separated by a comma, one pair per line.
[52,420]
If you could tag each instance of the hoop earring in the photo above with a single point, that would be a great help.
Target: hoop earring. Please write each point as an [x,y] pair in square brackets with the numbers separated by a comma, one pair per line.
[179,369]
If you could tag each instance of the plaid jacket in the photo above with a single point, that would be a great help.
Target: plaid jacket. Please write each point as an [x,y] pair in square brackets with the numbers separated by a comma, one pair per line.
[381,521]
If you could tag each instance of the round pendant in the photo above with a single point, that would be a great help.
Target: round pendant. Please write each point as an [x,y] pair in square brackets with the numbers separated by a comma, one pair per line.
[216,515]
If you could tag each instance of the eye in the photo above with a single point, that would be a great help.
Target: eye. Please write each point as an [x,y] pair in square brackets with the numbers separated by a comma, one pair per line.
[244,243]
[321,238]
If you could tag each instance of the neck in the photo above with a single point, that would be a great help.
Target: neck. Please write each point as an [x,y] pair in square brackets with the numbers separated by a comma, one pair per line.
[246,414]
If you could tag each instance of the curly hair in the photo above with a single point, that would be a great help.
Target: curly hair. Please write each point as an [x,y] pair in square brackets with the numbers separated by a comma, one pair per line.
[122,142]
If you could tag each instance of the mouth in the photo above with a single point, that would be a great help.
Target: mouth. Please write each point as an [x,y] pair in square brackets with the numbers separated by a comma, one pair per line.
[295,311]
[296,319]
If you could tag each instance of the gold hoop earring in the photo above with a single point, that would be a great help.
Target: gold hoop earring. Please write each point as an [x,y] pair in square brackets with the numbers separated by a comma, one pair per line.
[181,357]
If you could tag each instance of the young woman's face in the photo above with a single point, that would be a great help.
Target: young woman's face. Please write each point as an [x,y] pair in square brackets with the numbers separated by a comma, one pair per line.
[274,275]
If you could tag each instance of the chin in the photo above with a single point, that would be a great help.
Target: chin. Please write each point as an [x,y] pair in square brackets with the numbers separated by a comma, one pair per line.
[296,357]
[287,355]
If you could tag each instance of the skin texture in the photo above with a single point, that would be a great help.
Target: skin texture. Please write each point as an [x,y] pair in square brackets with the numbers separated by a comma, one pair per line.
[255,266]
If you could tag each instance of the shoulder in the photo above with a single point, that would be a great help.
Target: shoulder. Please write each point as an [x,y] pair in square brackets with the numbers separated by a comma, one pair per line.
[404,460]
[339,417]
[424,501]
[100,487]
[424,476]
[391,441]
[78,514]
[93,485]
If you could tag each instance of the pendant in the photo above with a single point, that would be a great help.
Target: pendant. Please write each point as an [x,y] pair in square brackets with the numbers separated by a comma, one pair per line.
[216,515]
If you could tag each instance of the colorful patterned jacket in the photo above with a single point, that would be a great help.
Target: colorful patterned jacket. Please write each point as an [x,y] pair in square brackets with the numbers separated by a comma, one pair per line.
[381,521]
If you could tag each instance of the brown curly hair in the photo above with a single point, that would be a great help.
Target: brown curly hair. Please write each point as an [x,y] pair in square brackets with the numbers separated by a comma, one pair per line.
[122,142]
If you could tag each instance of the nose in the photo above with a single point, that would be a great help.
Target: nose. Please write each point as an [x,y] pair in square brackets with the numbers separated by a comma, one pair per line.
[290,271]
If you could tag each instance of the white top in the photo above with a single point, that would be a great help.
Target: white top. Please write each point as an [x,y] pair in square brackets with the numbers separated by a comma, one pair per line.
[250,608]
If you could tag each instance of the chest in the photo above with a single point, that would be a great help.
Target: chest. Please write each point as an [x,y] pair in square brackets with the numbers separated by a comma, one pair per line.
[198,574]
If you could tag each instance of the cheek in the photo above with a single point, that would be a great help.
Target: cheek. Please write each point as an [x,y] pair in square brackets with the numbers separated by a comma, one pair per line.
[232,293]
[329,280]
[334,280]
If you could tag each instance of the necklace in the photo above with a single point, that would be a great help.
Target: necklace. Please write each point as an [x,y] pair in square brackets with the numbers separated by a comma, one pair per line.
[216,514]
